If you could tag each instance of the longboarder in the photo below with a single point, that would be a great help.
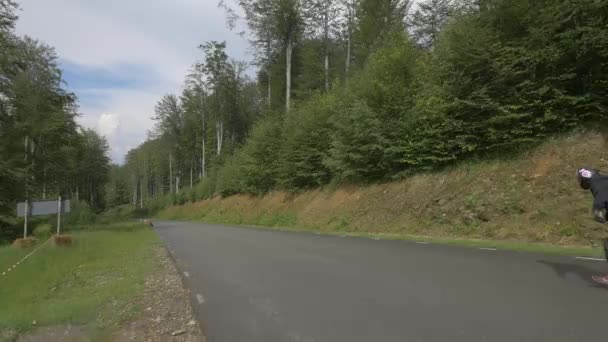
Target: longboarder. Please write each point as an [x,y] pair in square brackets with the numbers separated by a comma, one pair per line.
[590,179]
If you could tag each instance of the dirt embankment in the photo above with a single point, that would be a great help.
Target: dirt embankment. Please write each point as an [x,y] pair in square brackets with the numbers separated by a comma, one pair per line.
[533,197]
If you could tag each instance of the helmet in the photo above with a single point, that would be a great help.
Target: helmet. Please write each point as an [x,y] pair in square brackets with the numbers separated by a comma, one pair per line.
[584,176]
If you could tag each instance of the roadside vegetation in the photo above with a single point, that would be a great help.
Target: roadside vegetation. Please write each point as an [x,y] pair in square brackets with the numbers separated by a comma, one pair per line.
[459,119]
[93,284]
[529,197]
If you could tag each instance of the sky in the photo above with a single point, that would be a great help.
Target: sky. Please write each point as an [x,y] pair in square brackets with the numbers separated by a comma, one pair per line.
[121,56]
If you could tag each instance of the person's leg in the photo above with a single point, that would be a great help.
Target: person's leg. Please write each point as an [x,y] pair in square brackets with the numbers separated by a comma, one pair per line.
[599,211]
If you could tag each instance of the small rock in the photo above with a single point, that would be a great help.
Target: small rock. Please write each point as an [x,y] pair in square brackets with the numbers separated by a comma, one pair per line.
[178,332]
[191,323]
[148,309]
[34,322]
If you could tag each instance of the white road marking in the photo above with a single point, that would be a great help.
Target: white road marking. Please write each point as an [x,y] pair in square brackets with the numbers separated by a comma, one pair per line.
[593,259]
[376,238]
[487,248]
[187,274]
[200,299]
[422,242]
[25,257]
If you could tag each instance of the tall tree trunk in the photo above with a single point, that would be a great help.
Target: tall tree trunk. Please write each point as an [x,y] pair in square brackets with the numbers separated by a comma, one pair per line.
[170,173]
[77,193]
[91,194]
[141,193]
[219,130]
[348,48]
[162,186]
[326,42]
[44,184]
[191,176]
[289,50]
[269,88]
[268,70]
[349,37]
[134,191]
[202,137]
[177,185]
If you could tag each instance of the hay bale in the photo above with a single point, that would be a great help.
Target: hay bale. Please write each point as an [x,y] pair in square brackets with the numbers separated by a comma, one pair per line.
[149,223]
[62,240]
[25,243]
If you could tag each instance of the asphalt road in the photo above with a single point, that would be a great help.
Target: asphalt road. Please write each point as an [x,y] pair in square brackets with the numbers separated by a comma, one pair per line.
[256,285]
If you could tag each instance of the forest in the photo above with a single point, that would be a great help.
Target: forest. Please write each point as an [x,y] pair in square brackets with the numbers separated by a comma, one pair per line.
[360,91]
[44,153]
[339,92]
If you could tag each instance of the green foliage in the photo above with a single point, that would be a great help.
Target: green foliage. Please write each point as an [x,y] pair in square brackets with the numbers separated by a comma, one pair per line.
[230,176]
[259,157]
[206,187]
[43,230]
[44,153]
[476,79]
[306,142]
[80,214]
[357,144]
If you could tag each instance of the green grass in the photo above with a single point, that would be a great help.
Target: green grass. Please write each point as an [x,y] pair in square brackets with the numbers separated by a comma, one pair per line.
[518,246]
[92,283]
[9,255]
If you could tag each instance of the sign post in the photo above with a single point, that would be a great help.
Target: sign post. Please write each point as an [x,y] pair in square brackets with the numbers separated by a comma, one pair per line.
[58,214]
[25,221]
[40,208]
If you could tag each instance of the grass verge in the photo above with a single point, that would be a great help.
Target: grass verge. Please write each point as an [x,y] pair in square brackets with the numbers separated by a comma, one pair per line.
[527,202]
[91,284]
[9,255]
[517,246]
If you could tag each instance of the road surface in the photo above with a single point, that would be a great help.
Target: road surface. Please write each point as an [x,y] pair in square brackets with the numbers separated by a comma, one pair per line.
[269,286]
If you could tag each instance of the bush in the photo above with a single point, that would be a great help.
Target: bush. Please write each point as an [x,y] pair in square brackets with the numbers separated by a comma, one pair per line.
[80,214]
[259,157]
[357,144]
[306,142]
[43,230]
[206,187]
[230,176]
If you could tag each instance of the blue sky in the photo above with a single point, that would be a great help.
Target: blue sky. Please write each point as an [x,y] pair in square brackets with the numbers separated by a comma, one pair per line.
[121,56]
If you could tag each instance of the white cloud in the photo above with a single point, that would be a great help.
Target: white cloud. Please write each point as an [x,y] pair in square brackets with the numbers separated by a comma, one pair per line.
[129,121]
[108,124]
[160,36]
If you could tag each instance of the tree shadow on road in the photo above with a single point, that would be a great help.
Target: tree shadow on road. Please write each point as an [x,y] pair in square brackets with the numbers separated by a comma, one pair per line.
[583,272]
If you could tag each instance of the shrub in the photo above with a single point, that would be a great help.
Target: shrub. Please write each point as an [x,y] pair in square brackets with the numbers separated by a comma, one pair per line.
[43,230]
[80,214]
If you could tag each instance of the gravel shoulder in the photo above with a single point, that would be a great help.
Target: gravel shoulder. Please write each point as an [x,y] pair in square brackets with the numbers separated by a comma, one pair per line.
[167,313]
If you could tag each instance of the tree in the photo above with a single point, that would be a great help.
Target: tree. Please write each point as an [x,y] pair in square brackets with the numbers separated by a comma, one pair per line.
[377,21]
[323,16]
[272,21]
[169,124]
[428,20]
[349,9]
[357,144]
[261,22]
